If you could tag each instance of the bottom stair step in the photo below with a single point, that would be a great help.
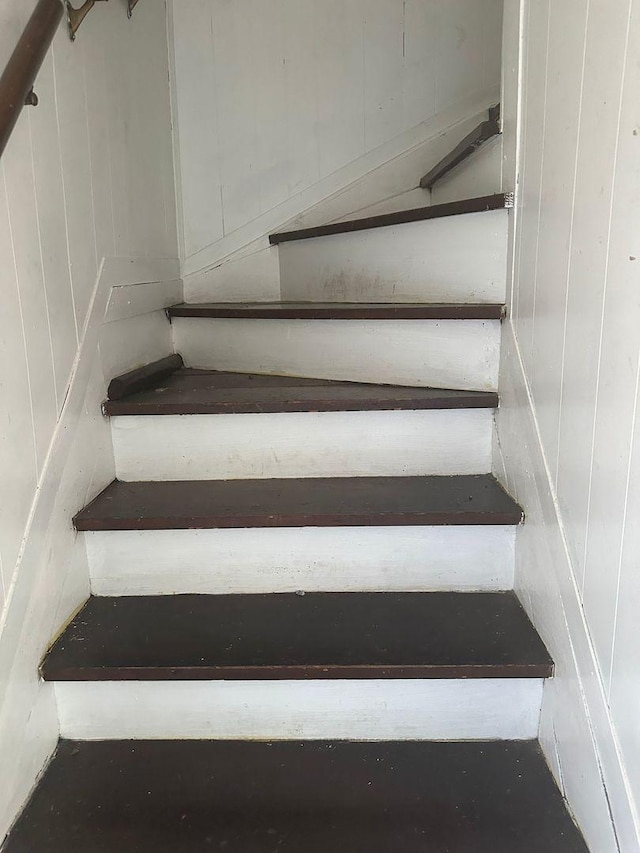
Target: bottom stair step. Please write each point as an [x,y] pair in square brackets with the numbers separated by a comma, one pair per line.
[357,666]
[187,796]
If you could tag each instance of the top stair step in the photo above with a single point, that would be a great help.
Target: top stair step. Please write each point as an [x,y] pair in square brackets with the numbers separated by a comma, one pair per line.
[435,211]
[339,310]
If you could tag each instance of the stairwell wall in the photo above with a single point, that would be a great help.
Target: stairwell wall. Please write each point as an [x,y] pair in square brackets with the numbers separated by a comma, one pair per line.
[569,432]
[86,195]
[271,100]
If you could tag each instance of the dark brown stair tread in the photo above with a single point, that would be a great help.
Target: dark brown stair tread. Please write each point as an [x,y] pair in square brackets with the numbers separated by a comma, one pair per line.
[435,211]
[190,392]
[293,636]
[339,310]
[313,797]
[307,502]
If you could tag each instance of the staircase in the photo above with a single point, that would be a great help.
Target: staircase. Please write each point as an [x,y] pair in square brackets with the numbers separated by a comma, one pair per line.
[302,634]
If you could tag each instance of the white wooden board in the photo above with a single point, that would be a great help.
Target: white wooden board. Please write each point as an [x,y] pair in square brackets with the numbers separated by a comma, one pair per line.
[439,353]
[302,444]
[343,559]
[451,709]
[453,259]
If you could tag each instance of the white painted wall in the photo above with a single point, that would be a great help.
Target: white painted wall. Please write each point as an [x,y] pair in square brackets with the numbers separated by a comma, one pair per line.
[568,423]
[87,175]
[272,98]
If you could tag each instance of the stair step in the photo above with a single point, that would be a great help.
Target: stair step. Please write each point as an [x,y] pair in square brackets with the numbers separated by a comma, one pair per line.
[316,502]
[170,796]
[339,310]
[211,392]
[291,636]
[454,208]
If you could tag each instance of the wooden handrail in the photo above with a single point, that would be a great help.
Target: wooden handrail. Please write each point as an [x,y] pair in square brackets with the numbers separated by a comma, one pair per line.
[478,136]
[18,77]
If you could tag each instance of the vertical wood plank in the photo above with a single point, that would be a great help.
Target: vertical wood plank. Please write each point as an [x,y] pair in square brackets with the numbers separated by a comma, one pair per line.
[605,51]
[23,222]
[567,28]
[17,439]
[383,70]
[76,169]
[50,199]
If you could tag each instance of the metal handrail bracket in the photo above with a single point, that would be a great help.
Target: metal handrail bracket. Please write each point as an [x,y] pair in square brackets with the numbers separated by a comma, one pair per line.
[76,16]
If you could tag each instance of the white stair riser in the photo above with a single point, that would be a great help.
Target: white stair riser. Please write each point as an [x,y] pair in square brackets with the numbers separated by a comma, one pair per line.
[460,354]
[313,559]
[452,709]
[309,444]
[453,259]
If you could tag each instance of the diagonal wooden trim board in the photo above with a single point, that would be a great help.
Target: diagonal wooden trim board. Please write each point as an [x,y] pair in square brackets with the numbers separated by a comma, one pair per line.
[485,131]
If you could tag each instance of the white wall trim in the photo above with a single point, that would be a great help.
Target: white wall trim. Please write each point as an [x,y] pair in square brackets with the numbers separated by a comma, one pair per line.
[521,459]
[339,183]
[29,594]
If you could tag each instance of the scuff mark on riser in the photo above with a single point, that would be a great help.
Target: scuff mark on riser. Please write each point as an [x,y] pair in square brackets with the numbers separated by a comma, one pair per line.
[455,259]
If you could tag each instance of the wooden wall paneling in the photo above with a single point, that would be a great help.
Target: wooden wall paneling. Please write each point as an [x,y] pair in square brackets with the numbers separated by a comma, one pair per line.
[23,224]
[196,102]
[419,82]
[17,449]
[91,51]
[618,370]
[50,196]
[604,64]
[300,92]
[235,91]
[531,175]
[566,48]
[460,49]
[339,82]
[266,33]
[76,170]
[384,56]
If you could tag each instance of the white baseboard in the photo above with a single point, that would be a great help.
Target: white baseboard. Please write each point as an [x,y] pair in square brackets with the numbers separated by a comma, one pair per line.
[577,734]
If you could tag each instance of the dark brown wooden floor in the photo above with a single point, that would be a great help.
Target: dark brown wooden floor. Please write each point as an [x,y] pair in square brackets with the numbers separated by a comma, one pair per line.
[243,797]
[286,635]
[209,392]
[315,502]
[339,310]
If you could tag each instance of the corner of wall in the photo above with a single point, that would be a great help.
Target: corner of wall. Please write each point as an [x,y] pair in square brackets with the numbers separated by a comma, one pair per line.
[576,734]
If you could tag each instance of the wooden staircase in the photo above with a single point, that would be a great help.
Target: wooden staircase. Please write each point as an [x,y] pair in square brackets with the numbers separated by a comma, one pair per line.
[302,634]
